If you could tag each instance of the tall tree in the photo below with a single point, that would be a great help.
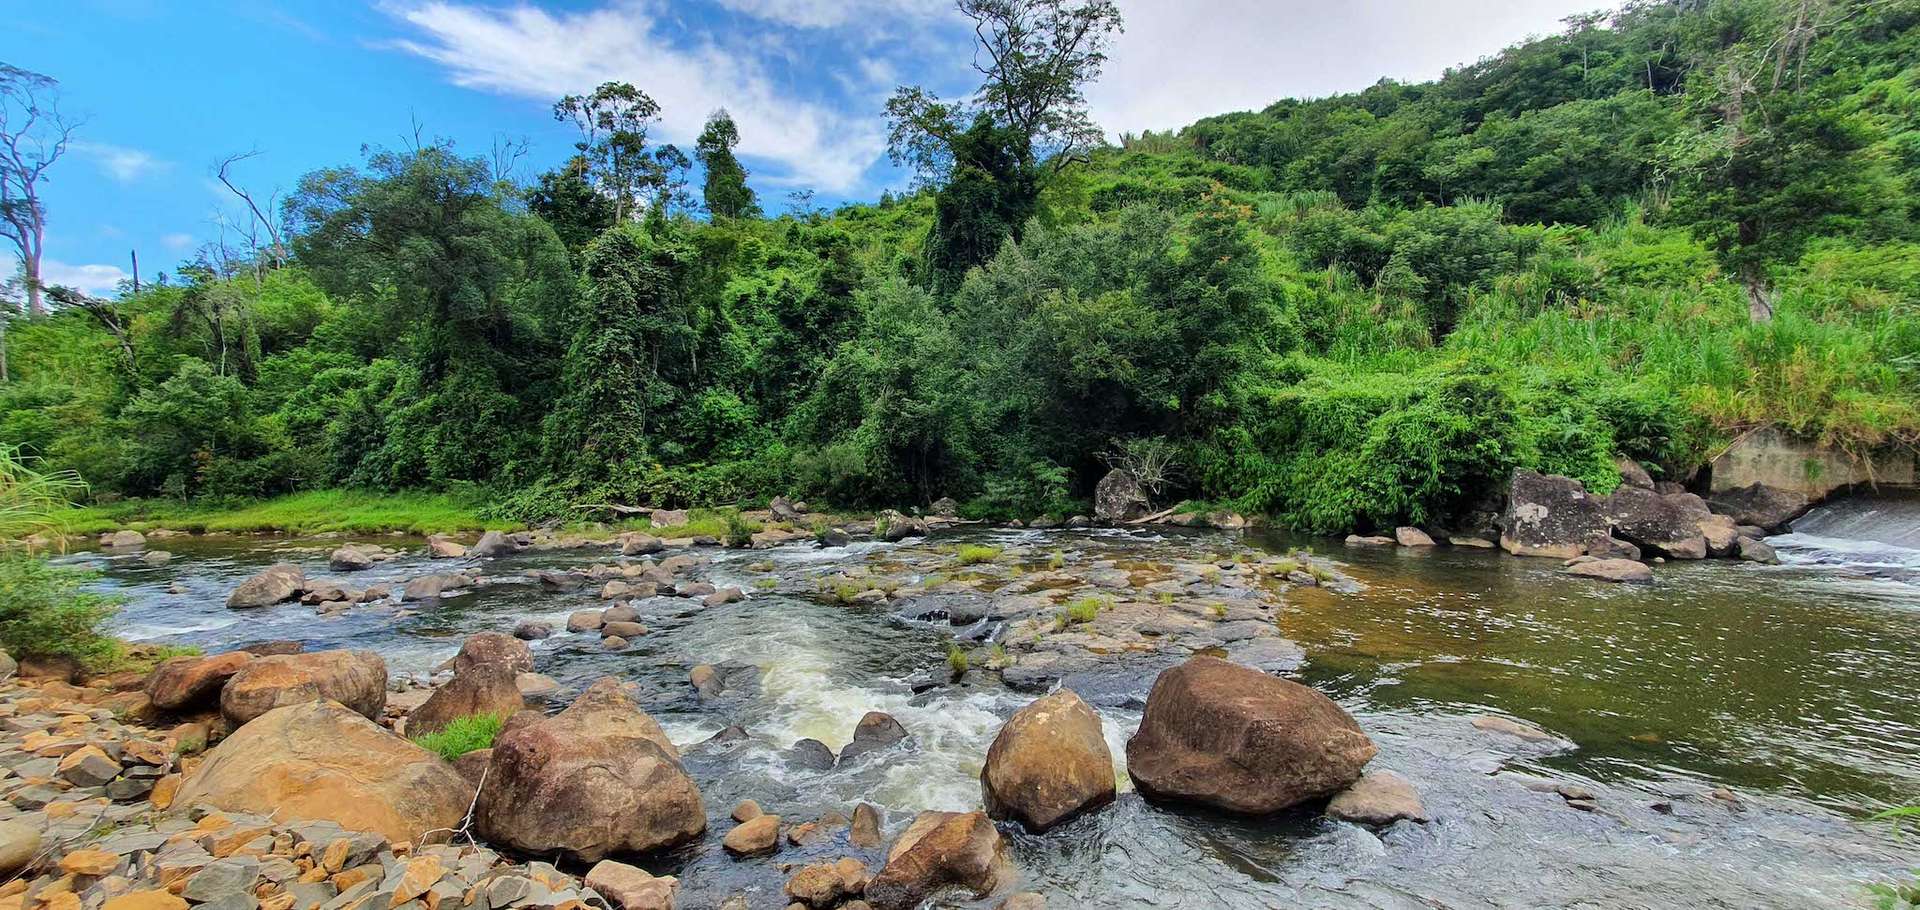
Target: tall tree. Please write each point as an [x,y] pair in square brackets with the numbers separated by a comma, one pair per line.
[986,152]
[726,193]
[613,123]
[33,136]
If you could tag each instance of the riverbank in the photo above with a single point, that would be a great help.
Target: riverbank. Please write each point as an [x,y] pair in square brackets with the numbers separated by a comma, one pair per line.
[312,512]
[1643,705]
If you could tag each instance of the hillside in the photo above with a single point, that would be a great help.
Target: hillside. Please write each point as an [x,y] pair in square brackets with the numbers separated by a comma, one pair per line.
[1671,224]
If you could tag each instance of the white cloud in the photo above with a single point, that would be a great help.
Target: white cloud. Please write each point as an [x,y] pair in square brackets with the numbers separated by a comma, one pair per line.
[536,54]
[177,242]
[1180,61]
[836,13]
[94,280]
[123,164]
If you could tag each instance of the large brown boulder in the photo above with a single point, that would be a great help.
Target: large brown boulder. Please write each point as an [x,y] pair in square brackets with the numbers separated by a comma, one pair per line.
[1549,515]
[481,689]
[1231,737]
[321,761]
[275,584]
[1667,525]
[183,683]
[493,648]
[357,679]
[597,779]
[941,850]
[1048,764]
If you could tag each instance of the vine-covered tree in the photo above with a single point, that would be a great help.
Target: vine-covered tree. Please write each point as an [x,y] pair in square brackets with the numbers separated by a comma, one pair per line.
[727,194]
[986,152]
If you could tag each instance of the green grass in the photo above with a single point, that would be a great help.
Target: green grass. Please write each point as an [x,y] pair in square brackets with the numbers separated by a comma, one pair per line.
[956,660]
[1057,561]
[1080,611]
[314,512]
[972,554]
[464,735]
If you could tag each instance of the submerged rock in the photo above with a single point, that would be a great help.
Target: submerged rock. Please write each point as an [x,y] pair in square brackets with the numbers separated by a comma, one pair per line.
[1378,798]
[1624,571]
[597,779]
[322,761]
[1048,764]
[440,546]
[1223,735]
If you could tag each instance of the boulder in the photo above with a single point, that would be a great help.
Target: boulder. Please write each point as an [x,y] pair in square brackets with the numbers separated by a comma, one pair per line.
[1369,540]
[1760,505]
[597,779]
[811,754]
[783,509]
[1378,798]
[430,587]
[321,761]
[493,544]
[493,648]
[1227,736]
[823,885]
[1721,535]
[1118,498]
[1549,515]
[1607,546]
[440,546]
[757,835]
[669,518]
[532,630]
[1624,571]
[19,844]
[350,559]
[945,507]
[1667,525]
[1632,474]
[275,584]
[637,544]
[184,683]
[630,887]
[875,731]
[124,539]
[489,688]
[1048,764]
[626,630]
[1412,537]
[1758,551]
[356,679]
[941,850]
[585,621]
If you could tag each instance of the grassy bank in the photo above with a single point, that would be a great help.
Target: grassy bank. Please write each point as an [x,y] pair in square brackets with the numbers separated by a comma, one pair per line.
[314,512]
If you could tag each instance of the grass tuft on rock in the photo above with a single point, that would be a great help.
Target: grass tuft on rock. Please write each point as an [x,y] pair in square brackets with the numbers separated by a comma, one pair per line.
[464,735]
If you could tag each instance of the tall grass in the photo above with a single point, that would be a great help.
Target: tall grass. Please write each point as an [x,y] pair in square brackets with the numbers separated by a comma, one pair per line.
[313,512]
[463,735]
[33,502]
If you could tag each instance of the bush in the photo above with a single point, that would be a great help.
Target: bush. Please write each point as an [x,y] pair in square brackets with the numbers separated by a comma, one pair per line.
[973,554]
[44,613]
[463,735]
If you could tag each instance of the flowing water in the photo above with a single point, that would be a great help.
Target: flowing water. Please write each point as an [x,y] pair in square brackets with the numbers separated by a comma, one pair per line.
[1792,687]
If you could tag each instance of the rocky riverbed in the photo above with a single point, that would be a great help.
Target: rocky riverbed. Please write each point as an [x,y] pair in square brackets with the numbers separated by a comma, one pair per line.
[765,696]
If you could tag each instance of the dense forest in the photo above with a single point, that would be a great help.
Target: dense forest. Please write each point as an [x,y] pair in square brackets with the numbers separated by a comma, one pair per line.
[1666,225]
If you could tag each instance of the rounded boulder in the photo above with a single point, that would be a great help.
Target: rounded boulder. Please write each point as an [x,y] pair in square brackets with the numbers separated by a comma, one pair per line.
[1048,764]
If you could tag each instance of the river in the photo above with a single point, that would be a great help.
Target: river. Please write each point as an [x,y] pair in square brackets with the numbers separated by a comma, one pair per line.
[1735,722]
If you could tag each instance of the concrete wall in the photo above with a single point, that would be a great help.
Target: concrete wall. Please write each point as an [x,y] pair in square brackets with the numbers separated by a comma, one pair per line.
[1777,459]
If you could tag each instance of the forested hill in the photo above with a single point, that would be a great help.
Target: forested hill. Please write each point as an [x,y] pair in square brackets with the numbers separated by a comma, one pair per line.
[1641,237]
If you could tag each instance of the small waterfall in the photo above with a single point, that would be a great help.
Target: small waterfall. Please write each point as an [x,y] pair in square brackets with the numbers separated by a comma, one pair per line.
[1879,532]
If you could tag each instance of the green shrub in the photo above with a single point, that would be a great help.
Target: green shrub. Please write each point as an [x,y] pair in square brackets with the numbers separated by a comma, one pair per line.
[973,554]
[956,660]
[45,613]
[463,735]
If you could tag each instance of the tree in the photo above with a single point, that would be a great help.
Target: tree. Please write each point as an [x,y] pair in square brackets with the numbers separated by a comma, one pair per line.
[986,152]
[726,193]
[569,203]
[33,136]
[613,123]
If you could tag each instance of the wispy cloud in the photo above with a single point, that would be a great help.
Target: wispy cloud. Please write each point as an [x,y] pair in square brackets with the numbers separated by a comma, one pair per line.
[836,13]
[532,53]
[123,164]
[95,280]
[177,242]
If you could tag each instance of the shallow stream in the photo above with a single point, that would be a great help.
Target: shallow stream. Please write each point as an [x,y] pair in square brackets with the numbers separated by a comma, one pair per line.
[1789,689]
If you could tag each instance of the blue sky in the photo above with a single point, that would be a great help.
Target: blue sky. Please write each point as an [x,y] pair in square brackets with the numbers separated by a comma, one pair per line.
[166,88]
